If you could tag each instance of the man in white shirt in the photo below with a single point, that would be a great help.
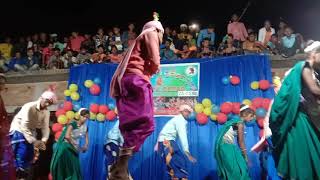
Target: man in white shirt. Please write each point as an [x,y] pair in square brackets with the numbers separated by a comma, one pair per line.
[168,148]
[33,115]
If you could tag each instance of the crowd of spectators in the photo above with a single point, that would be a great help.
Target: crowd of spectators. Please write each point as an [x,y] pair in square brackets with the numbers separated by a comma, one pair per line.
[50,51]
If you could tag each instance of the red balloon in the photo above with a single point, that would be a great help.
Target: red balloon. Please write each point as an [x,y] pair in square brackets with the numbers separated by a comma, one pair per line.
[67,106]
[56,127]
[222,118]
[57,135]
[235,80]
[111,115]
[95,90]
[103,109]
[236,108]
[60,112]
[264,84]
[266,103]
[257,102]
[260,122]
[253,108]
[261,133]
[226,108]
[202,118]
[94,108]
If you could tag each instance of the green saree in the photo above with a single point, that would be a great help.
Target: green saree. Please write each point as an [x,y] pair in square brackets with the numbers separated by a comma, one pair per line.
[297,145]
[65,163]
[231,163]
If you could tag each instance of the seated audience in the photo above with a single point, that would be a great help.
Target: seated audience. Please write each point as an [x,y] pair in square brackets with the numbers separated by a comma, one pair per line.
[114,56]
[83,55]
[18,63]
[205,51]
[290,43]
[55,61]
[227,47]
[167,53]
[265,33]
[99,56]
[251,45]
[274,45]
[32,61]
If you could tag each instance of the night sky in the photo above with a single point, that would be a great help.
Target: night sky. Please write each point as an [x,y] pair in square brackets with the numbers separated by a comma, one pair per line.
[64,16]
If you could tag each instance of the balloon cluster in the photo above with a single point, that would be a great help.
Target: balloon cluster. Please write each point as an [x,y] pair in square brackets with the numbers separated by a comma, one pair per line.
[66,113]
[234,80]
[262,84]
[228,110]
[103,112]
[72,92]
[93,86]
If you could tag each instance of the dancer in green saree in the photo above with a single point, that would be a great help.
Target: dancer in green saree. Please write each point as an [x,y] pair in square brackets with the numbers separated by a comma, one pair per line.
[65,163]
[295,120]
[232,162]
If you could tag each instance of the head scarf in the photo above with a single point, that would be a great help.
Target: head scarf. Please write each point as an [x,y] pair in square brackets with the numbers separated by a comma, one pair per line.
[313,46]
[50,95]
[80,110]
[185,107]
[115,86]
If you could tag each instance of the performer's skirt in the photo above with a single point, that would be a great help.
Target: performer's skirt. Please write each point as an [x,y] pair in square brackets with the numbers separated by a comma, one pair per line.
[22,150]
[7,165]
[65,163]
[233,164]
[135,107]
[177,166]
[300,156]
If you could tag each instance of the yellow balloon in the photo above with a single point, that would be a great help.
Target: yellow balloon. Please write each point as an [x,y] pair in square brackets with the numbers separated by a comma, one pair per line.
[67,92]
[73,87]
[254,85]
[198,108]
[62,119]
[70,115]
[77,116]
[213,117]
[93,116]
[88,83]
[75,96]
[207,111]
[246,102]
[206,103]
[101,117]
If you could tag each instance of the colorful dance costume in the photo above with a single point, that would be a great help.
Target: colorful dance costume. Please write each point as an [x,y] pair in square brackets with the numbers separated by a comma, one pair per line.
[131,88]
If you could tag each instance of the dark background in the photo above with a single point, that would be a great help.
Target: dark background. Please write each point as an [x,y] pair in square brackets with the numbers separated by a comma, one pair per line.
[63,16]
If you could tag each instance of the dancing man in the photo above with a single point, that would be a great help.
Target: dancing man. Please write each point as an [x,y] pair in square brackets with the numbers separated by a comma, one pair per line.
[131,88]
[168,148]
[294,120]
[33,115]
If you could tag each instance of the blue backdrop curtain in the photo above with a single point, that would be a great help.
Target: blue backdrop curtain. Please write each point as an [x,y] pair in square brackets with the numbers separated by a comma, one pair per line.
[146,165]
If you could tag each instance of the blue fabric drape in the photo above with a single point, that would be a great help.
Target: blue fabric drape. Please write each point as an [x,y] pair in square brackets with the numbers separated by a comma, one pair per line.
[146,165]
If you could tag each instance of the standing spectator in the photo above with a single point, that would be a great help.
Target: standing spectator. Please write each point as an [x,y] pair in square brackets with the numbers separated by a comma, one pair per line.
[37,54]
[290,43]
[114,56]
[6,48]
[84,55]
[109,38]
[32,62]
[29,42]
[100,38]
[205,51]
[21,46]
[207,34]
[46,54]
[183,31]
[99,56]
[265,33]
[75,41]
[3,65]
[167,34]
[56,42]
[35,39]
[69,59]
[116,40]
[282,27]
[66,43]
[129,36]
[251,45]
[227,47]
[43,40]
[89,44]
[167,53]
[55,61]
[274,45]
[17,63]
[237,29]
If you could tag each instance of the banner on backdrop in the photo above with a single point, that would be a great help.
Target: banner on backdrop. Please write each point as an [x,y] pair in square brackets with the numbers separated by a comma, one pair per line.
[176,84]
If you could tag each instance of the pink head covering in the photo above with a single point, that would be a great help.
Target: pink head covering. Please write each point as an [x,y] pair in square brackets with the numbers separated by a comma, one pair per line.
[115,87]
[49,94]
